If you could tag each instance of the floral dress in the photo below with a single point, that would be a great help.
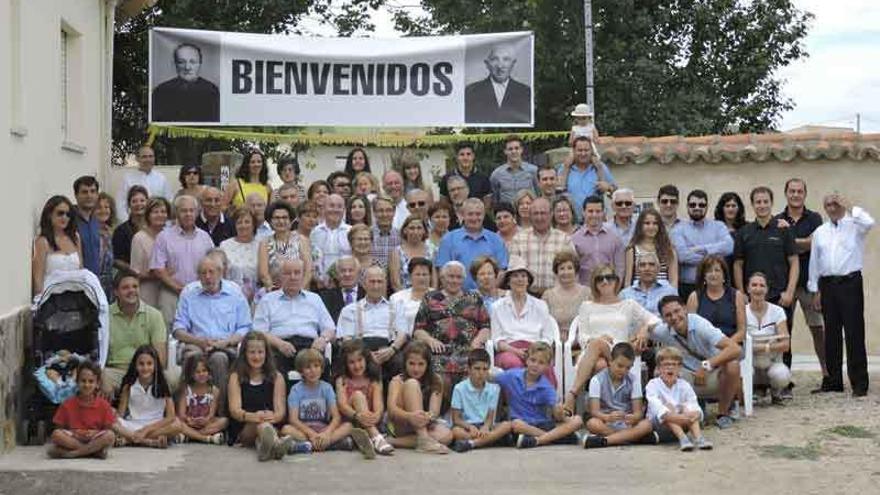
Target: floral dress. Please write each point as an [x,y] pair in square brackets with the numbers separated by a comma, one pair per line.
[454,323]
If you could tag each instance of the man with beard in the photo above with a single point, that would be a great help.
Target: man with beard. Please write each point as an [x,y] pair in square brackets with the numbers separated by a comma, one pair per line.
[697,238]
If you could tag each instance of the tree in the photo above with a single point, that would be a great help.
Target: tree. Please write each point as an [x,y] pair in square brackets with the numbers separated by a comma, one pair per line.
[661,66]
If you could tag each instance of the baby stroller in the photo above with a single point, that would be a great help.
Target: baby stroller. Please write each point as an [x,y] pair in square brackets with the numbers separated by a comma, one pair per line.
[70,323]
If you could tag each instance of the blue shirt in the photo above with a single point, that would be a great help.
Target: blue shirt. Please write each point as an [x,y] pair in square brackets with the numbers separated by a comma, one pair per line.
[530,404]
[90,239]
[699,345]
[463,246]
[694,241]
[214,316]
[582,184]
[475,403]
[303,315]
[313,403]
[650,298]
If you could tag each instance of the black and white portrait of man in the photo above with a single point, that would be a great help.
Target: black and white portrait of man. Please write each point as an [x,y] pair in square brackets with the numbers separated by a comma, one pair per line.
[188,97]
[499,98]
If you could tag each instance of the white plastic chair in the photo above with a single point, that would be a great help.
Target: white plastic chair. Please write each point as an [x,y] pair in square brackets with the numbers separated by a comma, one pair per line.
[558,357]
[747,373]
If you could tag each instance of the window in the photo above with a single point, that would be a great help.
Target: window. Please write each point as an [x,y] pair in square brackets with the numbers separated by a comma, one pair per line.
[64,78]
[71,95]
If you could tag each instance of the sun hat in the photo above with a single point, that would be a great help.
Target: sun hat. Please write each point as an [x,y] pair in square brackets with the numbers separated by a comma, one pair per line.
[582,110]
[516,264]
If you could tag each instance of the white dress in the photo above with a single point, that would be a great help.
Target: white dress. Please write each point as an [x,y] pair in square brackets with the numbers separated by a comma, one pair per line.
[143,408]
[619,320]
[242,263]
[61,262]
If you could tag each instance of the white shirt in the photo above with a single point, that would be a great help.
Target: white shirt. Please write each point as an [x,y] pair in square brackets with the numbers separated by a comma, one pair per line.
[154,182]
[500,90]
[532,325]
[408,305]
[677,399]
[761,328]
[400,214]
[333,244]
[383,319]
[838,249]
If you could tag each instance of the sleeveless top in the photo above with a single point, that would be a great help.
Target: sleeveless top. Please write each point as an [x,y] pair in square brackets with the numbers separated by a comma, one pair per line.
[257,397]
[662,270]
[59,261]
[720,312]
[245,189]
[282,251]
[198,405]
[405,281]
[366,389]
[142,405]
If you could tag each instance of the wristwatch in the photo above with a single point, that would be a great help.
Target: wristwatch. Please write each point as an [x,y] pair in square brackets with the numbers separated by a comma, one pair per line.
[706,365]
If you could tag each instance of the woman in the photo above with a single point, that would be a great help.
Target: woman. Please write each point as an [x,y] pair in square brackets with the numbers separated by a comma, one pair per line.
[105,214]
[519,319]
[522,202]
[412,178]
[716,300]
[288,171]
[731,211]
[142,243]
[767,326]
[252,177]
[358,211]
[360,238]
[564,215]
[603,322]
[413,234]
[484,270]
[191,182]
[565,297]
[57,247]
[505,221]
[357,162]
[421,271]
[282,245]
[124,232]
[650,236]
[308,220]
[366,184]
[452,322]
[318,192]
[440,214]
[243,253]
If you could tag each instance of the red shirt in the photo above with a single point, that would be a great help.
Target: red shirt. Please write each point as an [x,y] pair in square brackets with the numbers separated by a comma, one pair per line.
[76,414]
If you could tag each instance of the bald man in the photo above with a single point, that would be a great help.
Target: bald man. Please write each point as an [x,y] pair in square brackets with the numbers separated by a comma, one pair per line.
[498,98]
[211,219]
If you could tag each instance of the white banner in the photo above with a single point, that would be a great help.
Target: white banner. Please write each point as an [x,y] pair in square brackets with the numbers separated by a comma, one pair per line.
[219,78]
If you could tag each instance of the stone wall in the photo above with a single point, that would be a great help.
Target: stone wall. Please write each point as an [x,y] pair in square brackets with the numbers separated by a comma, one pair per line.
[14,326]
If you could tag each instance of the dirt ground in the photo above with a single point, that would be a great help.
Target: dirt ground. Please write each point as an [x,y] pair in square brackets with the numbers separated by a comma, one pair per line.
[816,444]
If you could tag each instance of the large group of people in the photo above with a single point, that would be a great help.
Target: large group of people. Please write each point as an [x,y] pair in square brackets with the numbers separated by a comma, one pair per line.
[345,315]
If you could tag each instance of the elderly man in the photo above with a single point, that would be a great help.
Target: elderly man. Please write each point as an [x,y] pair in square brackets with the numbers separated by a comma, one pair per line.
[835,277]
[539,244]
[586,176]
[293,318]
[595,244]
[458,193]
[711,360]
[648,291]
[417,203]
[211,319]
[470,241]
[622,223]
[289,193]
[392,185]
[345,290]
[696,238]
[257,206]
[153,181]
[331,236]
[188,97]
[478,184]
[386,237]
[211,219]
[514,175]
[667,206]
[498,98]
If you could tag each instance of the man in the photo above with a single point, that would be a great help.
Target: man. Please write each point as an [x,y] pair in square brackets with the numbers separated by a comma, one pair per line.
[586,176]
[458,193]
[835,277]
[331,235]
[340,183]
[293,318]
[470,241]
[478,184]
[648,291]
[622,223]
[211,219]
[498,98]
[697,238]
[803,223]
[514,175]
[547,183]
[539,244]
[211,319]
[392,185]
[417,203]
[257,206]
[386,237]
[153,181]
[289,193]
[133,323]
[711,360]
[346,289]
[667,206]
[188,97]
[762,246]
[85,190]
[596,245]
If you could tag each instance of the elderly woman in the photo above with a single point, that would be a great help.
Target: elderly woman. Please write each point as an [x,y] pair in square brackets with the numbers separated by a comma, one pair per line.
[452,322]
[421,271]
[283,245]
[564,215]
[519,319]
[243,252]
[767,326]
[485,270]
[156,215]
[716,300]
[603,322]
[565,298]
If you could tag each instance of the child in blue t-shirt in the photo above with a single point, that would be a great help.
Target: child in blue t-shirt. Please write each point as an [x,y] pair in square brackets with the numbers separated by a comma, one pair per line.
[474,402]
[535,412]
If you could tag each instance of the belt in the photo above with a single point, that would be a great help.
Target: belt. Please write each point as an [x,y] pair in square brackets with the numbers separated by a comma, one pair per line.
[839,279]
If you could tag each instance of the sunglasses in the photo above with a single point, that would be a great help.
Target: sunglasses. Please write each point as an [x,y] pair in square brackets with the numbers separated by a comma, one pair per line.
[696,205]
[62,213]
[420,204]
[623,204]
[607,278]
[668,201]
[191,172]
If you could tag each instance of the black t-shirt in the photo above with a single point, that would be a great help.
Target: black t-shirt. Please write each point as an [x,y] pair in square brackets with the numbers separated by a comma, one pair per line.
[765,249]
[478,184]
[803,228]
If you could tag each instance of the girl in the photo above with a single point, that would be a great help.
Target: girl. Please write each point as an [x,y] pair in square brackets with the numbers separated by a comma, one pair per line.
[359,211]
[366,184]
[359,392]
[252,177]
[146,410]
[197,405]
[650,236]
[357,162]
[57,247]
[414,400]
[84,422]
[256,400]
[412,178]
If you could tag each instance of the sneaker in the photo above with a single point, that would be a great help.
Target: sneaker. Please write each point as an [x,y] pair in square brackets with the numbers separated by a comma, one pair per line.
[735,411]
[526,442]
[685,445]
[428,445]
[651,438]
[217,438]
[786,393]
[462,446]
[382,446]
[595,442]
[180,438]
[704,444]
[345,445]
[300,448]
[363,442]
[265,442]
[723,422]
[281,447]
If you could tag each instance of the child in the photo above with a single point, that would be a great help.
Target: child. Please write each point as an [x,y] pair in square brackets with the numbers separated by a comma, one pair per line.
[312,415]
[197,405]
[84,422]
[672,403]
[473,407]
[256,400]
[617,412]
[146,410]
[359,392]
[536,415]
[414,400]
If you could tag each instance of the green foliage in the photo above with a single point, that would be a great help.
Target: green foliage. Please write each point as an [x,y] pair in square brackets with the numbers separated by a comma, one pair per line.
[812,451]
[850,431]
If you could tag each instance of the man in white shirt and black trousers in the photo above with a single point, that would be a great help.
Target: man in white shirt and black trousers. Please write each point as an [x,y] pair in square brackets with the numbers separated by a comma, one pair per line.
[836,280]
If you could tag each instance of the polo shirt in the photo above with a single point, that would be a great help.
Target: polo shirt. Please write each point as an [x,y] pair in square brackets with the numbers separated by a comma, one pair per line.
[478,184]
[649,299]
[213,316]
[803,228]
[475,403]
[530,404]
[300,315]
[146,327]
[464,246]
[506,182]
[75,414]
[765,249]
[699,344]
[614,398]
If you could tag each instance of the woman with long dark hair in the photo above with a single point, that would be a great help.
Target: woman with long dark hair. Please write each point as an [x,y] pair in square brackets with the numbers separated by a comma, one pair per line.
[650,237]
[58,246]
[252,177]
[731,211]
[356,162]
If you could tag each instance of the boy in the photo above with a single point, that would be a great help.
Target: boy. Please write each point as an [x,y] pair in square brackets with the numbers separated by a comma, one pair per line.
[313,416]
[617,413]
[672,403]
[474,402]
[536,416]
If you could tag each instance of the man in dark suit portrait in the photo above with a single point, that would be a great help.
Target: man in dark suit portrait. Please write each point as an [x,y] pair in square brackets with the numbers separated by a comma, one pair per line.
[188,97]
[498,98]
[347,289]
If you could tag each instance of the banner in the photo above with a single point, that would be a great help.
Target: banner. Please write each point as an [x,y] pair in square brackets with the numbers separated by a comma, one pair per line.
[240,79]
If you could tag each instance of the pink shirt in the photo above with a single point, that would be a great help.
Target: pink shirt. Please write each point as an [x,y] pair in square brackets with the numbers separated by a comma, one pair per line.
[180,253]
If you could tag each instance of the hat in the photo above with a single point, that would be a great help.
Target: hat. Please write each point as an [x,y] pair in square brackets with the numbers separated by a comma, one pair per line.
[516,264]
[582,110]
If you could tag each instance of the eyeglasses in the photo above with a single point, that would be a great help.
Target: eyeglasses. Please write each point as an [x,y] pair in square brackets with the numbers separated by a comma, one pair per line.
[420,204]
[623,204]
[668,201]
[696,205]
[607,278]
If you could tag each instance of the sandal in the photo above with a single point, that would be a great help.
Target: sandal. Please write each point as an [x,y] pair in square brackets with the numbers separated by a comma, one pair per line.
[382,446]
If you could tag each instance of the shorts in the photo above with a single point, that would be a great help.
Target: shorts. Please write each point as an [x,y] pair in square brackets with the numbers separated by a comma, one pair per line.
[708,389]
[319,427]
[545,425]
[84,436]
[805,300]
[617,425]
